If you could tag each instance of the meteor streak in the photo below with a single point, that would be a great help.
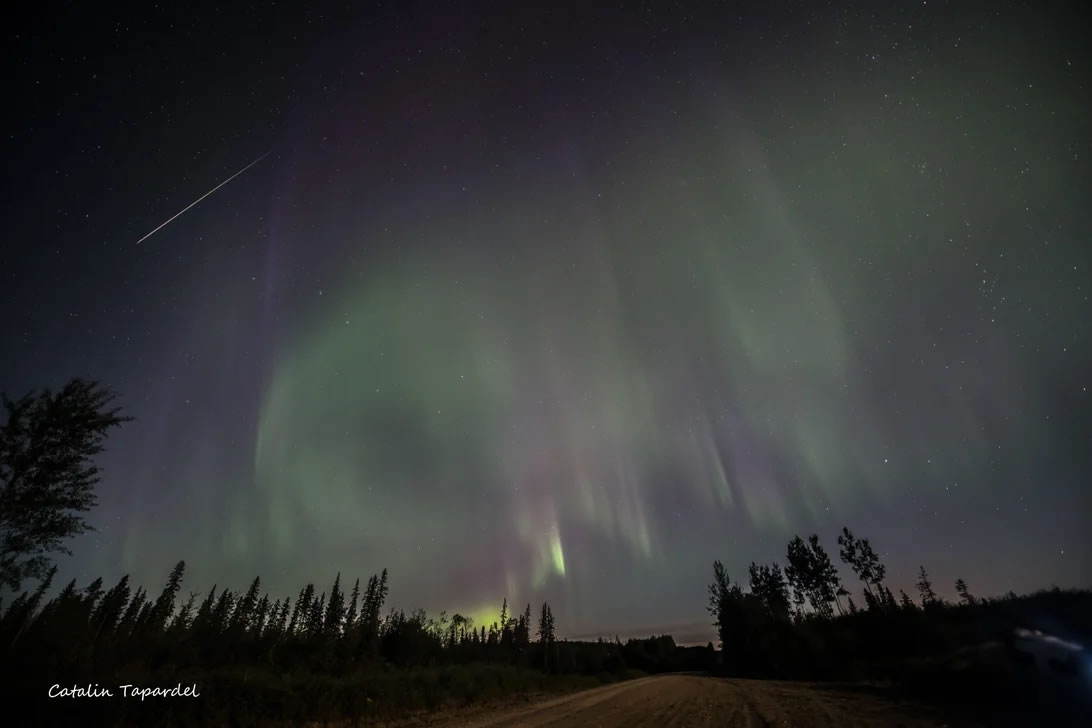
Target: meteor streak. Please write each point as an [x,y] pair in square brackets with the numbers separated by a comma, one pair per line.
[203,197]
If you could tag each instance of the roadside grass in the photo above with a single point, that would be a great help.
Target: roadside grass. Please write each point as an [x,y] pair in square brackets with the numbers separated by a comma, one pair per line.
[978,686]
[252,697]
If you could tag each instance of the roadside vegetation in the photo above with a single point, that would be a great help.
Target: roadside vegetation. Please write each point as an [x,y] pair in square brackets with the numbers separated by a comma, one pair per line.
[337,652]
[799,621]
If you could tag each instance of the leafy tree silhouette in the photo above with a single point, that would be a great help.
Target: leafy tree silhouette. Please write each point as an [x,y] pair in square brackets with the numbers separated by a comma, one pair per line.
[47,479]
[825,576]
[724,600]
[797,573]
[865,563]
[768,585]
[812,576]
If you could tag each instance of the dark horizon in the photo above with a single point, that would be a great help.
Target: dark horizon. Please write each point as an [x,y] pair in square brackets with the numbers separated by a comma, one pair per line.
[694,633]
[563,305]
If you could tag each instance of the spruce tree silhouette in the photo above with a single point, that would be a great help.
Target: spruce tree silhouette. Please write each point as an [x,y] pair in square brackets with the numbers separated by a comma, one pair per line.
[164,604]
[925,589]
[301,609]
[350,615]
[546,635]
[24,611]
[244,634]
[961,589]
[314,617]
[221,613]
[906,602]
[181,621]
[129,617]
[105,617]
[335,609]
[243,614]
[527,625]
[261,614]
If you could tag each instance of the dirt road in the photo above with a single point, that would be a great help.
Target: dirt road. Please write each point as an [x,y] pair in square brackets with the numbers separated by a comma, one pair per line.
[692,700]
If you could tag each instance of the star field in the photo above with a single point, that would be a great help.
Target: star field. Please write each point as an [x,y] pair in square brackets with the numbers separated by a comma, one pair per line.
[563,305]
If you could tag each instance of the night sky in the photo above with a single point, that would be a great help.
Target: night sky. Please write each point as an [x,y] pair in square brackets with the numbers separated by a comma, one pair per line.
[561,304]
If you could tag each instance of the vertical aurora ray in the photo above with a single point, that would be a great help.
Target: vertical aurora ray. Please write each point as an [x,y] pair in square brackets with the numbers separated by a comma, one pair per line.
[573,319]
[569,396]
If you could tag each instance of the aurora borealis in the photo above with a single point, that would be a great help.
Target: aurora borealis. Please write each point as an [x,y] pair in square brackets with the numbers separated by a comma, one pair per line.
[564,306]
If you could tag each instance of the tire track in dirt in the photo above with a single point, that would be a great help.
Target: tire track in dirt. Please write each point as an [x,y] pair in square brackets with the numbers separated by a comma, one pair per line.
[693,701]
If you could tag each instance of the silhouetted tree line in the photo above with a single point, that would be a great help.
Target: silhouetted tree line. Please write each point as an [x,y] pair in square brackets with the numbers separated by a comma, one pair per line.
[324,654]
[331,655]
[328,654]
[332,631]
[792,620]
